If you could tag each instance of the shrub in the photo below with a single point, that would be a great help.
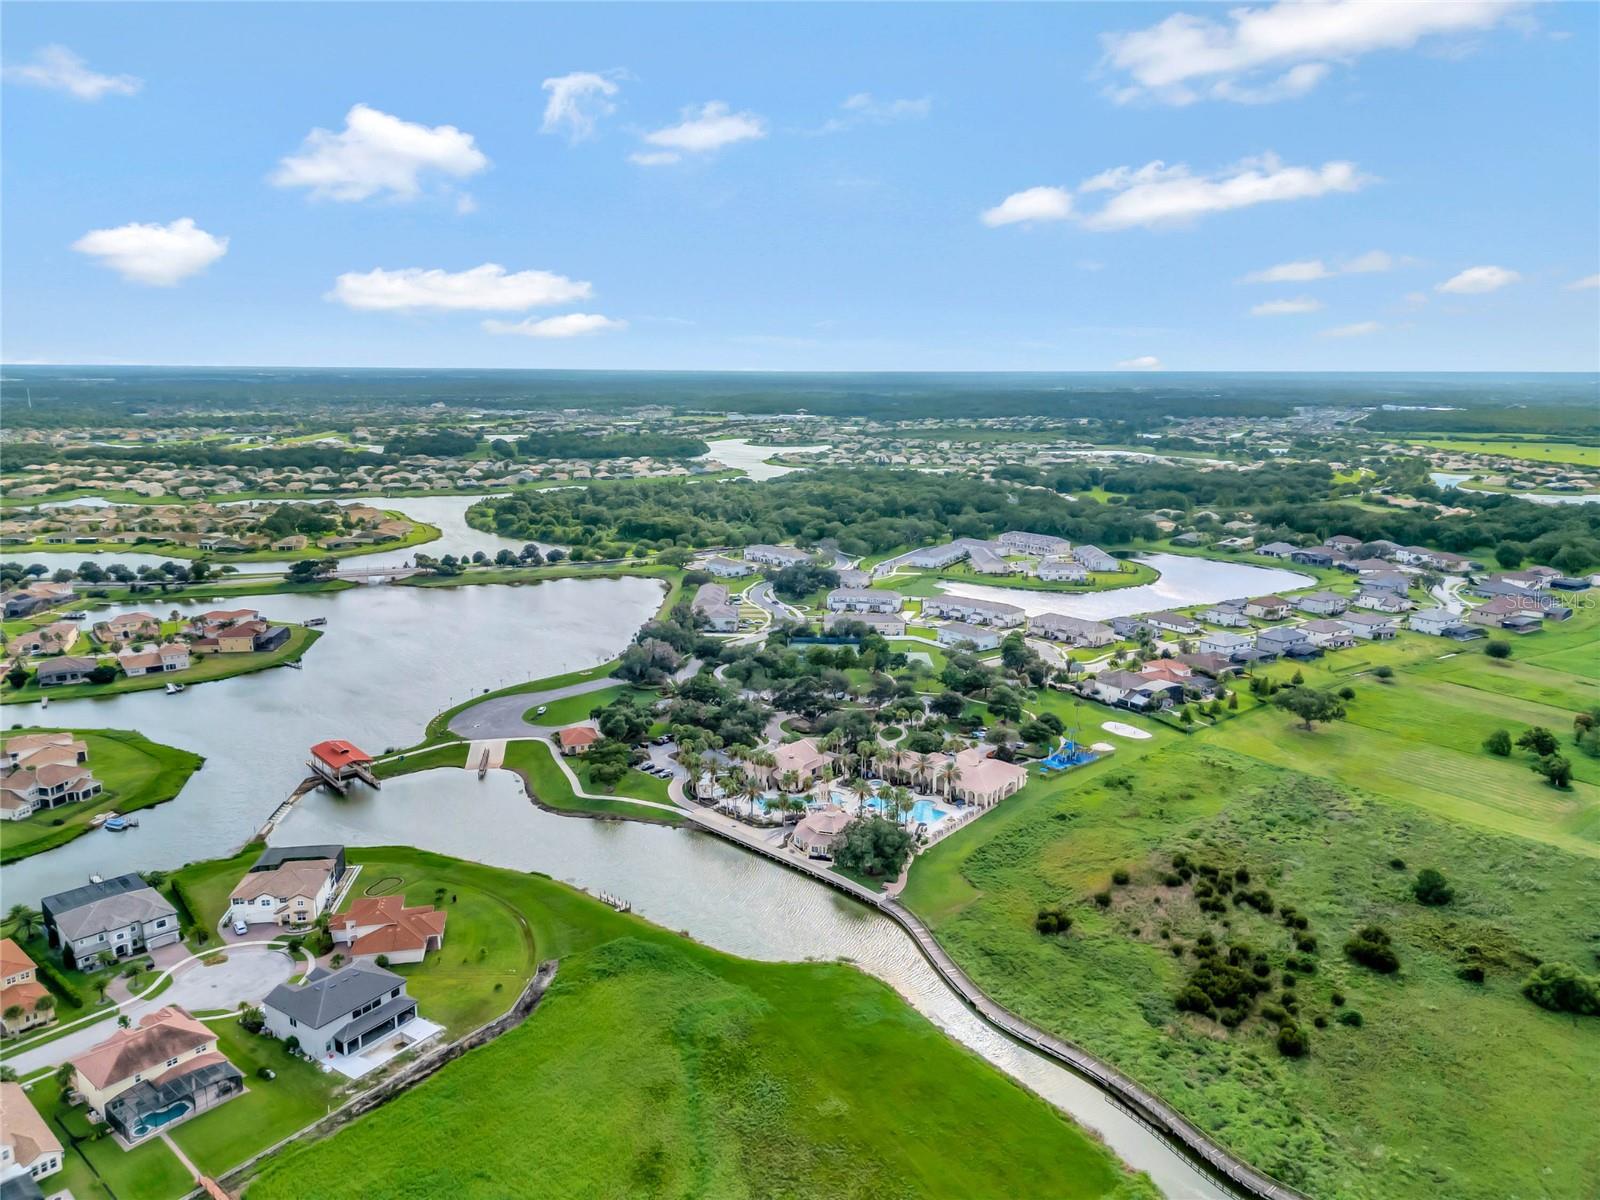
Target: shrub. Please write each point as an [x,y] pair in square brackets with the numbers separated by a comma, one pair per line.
[1561,987]
[1320,1021]
[1306,943]
[1497,648]
[1292,1041]
[1471,974]
[1171,880]
[1431,888]
[1347,692]
[1052,920]
[1498,743]
[1242,875]
[1398,864]
[1337,998]
[1120,876]
[1103,899]
[1371,948]
[1384,672]
[1351,1018]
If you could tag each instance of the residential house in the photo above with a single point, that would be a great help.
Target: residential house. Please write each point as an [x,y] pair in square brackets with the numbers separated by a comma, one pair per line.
[292,544]
[577,739]
[1130,690]
[1329,635]
[59,672]
[1062,569]
[163,1069]
[1225,644]
[1096,559]
[985,561]
[1325,604]
[1215,666]
[975,637]
[55,638]
[113,919]
[127,627]
[1226,612]
[1315,556]
[20,989]
[1174,623]
[715,610]
[29,600]
[863,600]
[1075,631]
[1387,602]
[170,656]
[889,625]
[383,925]
[1371,626]
[727,568]
[29,1151]
[336,1013]
[775,556]
[977,612]
[1515,614]
[290,895]
[27,789]
[1132,628]
[1034,543]
[1283,641]
[1534,580]
[1397,582]
[1437,622]
[851,577]
[819,831]
[1276,550]
[943,555]
[1342,542]
[1267,608]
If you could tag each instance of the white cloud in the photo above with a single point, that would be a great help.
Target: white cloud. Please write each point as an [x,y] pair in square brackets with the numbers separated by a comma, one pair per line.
[1033,204]
[158,255]
[1144,362]
[577,101]
[488,288]
[704,129]
[1359,329]
[565,326]
[1587,283]
[1158,195]
[60,70]
[1475,281]
[1308,270]
[1285,308]
[864,108]
[1186,57]
[377,153]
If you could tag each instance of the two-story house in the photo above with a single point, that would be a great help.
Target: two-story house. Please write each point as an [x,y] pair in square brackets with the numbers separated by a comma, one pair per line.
[113,919]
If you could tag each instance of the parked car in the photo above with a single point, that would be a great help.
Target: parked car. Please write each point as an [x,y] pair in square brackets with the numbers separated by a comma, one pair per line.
[239,927]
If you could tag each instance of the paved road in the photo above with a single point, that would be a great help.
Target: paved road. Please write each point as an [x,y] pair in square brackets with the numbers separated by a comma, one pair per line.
[760,594]
[246,977]
[501,716]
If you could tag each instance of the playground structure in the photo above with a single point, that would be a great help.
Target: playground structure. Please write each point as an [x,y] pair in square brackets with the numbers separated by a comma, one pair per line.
[1071,753]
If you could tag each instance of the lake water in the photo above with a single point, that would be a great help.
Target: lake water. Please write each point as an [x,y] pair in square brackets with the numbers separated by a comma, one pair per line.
[389,659]
[1184,581]
[751,459]
[720,895]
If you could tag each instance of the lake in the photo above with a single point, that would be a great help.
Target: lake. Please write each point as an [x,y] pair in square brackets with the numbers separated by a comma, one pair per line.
[1185,581]
[389,659]
[717,894]
[751,459]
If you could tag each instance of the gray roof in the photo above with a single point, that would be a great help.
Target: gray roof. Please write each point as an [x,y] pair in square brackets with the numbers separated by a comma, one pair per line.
[1287,637]
[76,897]
[1054,620]
[329,996]
[113,912]
[275,856]
[68,666]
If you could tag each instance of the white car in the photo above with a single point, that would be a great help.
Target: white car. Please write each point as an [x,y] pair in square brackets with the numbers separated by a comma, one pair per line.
[239,927]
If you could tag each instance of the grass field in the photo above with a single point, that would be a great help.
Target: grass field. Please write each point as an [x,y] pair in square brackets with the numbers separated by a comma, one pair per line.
[205,668]
[451,754]
[577,708]
[656,1067]
[419,535]
[1374,1112]
[535,762]
[135,773]
[1534,451]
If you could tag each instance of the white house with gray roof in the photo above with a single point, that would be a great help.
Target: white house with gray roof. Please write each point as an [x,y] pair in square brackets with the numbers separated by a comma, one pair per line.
[339,1012]
[1075,631]
[849,599]
[114,919]
[775,556]
[977,612]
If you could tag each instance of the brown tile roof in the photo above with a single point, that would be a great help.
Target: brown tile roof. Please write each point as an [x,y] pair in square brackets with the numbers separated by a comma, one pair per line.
[158,1036]
[301,877]
[402,928]
[24,1129]
[578,735]
[13,958]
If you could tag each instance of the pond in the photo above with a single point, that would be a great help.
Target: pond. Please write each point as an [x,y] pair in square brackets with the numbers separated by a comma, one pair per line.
[1185,580]
[751,459]
[719,895]
[389,659]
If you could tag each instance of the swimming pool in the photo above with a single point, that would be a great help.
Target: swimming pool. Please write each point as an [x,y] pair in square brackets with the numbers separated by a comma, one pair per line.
[152,1122]
[923,812]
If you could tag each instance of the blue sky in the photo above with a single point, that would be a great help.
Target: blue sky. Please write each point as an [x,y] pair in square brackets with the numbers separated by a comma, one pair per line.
[941,187]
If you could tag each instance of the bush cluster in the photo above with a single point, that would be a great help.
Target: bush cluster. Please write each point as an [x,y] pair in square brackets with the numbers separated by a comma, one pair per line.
[1371,947]
[1052,920]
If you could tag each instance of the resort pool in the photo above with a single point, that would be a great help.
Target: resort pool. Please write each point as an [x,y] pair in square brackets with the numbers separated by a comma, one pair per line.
[923,812]
[162,1117]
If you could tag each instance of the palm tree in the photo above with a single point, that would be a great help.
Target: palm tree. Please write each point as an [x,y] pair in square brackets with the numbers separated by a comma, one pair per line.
[12,1014]
[921,761]
[24,921]
[861,789]
[790,782]
[950,775]
[903,804]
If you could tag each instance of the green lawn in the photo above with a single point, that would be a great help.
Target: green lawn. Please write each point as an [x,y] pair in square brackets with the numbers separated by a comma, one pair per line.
[420,535]
[1532,450]
[656,1067]
[136,773]
[205,669]
[577,708]
[450,754]
[535,762]
[1316,817]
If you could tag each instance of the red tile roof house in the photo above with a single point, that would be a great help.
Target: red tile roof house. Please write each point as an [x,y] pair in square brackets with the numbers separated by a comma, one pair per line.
[376,925]
[577,739]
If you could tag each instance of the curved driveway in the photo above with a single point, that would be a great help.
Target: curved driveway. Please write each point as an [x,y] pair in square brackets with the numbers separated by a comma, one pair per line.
[501,716]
